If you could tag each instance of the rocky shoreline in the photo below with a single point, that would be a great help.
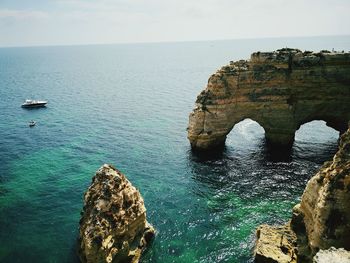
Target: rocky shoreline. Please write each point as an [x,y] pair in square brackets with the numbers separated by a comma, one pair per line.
[113,226]
[280,90]
[319,222]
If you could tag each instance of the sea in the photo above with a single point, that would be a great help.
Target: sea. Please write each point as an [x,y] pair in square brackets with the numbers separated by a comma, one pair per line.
[128,105]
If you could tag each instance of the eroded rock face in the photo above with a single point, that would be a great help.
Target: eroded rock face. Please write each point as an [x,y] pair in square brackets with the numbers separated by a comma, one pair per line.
[113,227]
[280,90]
[325,204]
[276,244]
[320,221]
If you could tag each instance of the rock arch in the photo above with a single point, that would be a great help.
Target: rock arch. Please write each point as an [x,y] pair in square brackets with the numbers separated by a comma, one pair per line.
[280,90]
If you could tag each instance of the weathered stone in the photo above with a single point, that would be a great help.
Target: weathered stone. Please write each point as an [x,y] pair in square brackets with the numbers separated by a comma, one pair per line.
[332,255]
[275,244]
[325,204]
[280,90]
[113,226]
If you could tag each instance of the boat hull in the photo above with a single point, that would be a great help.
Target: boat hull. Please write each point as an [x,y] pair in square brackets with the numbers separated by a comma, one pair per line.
[37,105]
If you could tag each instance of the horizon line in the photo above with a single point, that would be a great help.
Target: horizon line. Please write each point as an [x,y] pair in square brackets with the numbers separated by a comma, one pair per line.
[167,41]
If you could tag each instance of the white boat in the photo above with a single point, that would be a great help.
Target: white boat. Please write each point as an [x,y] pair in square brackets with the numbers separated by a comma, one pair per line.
[34,103]
[32,123]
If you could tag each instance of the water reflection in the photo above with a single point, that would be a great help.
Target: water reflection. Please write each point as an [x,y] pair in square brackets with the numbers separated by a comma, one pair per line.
[313,140]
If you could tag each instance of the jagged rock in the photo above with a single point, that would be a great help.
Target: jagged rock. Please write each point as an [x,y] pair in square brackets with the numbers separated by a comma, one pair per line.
[321,220]
[325,204]
[275,244]
[113,226]
[332,255]
[280,90]
[298,226]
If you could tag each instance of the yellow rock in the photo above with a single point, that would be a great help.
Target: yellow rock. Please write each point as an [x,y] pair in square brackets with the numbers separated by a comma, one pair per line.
[280,90]
[113,226]
[275,244]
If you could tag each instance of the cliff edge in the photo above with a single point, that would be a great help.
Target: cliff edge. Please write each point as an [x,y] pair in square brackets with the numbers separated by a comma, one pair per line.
[113,226]
[281,90]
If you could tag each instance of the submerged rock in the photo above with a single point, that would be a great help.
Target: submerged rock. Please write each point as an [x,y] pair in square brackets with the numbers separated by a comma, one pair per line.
[320,221]
[113,226]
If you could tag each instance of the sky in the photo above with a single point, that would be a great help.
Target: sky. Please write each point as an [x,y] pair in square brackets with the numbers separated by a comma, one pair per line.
[70,22]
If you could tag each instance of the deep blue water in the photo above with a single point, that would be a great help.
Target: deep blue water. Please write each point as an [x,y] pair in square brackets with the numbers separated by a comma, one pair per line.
[128,105]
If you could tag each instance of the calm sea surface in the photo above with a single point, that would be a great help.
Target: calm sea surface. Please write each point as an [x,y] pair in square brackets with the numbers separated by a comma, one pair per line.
[128,105]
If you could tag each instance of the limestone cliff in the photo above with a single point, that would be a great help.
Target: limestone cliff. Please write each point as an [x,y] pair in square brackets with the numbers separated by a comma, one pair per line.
[320,221]
[280,90]
[325,204]
[113,226]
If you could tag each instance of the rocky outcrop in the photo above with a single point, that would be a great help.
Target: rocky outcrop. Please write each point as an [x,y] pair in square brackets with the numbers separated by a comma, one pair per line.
[276,244]
[113,226]
[332,255]
[325,204]
[280,90]
[321,220]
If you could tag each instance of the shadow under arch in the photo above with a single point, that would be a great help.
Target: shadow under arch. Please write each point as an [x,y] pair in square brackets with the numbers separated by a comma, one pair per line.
[236,188]
[246,149]
[243,135]
[247,137]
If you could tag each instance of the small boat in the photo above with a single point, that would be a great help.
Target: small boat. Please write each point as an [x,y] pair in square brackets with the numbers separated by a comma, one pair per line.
[32,123]
[34,103]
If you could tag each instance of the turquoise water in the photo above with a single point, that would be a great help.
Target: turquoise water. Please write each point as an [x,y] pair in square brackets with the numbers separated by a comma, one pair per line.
[128,105]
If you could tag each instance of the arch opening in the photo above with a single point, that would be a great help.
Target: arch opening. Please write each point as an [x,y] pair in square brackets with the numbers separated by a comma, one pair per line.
[316,131]
[245,134]
[315,138]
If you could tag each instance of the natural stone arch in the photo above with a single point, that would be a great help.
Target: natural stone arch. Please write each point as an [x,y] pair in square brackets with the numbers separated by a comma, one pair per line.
[280,90]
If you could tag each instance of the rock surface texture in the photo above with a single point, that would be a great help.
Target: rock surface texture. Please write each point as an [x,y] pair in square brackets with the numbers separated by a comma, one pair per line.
[320,221]
[280,90]
[276,244]
[325,204]
[332,255]
[113,226]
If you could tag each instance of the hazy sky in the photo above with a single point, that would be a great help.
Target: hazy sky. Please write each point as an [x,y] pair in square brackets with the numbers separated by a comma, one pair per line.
[48,22]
